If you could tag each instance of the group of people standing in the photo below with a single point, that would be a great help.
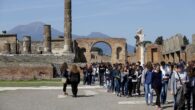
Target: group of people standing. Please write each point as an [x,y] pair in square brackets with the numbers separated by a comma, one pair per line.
[126,80]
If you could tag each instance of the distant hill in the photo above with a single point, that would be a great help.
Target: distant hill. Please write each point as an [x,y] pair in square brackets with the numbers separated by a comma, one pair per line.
[35,30]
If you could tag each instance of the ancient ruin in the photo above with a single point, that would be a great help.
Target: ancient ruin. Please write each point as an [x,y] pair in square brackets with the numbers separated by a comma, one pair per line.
[29,59]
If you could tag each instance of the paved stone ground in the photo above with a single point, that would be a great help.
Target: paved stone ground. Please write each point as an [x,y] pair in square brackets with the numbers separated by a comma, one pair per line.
[88,99]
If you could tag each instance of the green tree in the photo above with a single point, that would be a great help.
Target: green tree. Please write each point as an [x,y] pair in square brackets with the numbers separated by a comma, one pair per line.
[159,40]
[147,42]
[185,40]
[97,49]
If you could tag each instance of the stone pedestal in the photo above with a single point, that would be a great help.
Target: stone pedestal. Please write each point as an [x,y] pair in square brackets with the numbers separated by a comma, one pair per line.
[26,45]
[47,39]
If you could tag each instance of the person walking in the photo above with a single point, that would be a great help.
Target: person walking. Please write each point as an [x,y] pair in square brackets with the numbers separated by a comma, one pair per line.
[148,83]
[191,86]
[157,84]
[75,79]
[165,81]
[65,76]
[178,79]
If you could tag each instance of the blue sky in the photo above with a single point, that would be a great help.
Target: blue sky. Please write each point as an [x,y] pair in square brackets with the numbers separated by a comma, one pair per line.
[117,18]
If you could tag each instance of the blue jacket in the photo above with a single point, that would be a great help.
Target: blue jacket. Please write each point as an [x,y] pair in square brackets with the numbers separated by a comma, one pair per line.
[148,77]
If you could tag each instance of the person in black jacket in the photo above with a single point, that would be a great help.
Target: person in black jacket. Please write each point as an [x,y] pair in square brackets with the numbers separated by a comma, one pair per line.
[157,83]
[64,73]
[75,79]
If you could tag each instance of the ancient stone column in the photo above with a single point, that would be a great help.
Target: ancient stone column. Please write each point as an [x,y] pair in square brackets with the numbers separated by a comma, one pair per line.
[67,27]
[193,39]
[6,48]
[47,39]
[26,45]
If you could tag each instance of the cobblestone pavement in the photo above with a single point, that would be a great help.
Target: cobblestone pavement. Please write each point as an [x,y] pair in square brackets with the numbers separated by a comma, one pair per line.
[88,99]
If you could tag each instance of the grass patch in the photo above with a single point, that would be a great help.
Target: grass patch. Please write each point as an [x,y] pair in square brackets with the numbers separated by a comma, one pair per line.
[31,83]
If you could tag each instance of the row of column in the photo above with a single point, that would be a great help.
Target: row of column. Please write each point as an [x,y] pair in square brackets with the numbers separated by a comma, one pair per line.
[27,43]
[174,57]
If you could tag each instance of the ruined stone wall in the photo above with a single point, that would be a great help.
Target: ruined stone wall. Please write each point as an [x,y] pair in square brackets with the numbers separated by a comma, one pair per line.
[57,46]
[25,71]
[153,53]
[9,38]
[87,43]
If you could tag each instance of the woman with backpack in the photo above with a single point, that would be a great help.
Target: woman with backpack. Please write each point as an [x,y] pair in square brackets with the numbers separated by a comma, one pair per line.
[74,79]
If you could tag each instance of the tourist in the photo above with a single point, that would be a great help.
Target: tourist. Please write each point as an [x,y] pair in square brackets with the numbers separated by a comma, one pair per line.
[117,80]
[75,79]
[107,79]
[135,78]
[101,74]
[165,77]
[94,74]
[178,80]
[124,74]
[84,74]
[157,84]
[191,85]
[147,83]
[65,76]
[89,74]
[140,69]
[129,80]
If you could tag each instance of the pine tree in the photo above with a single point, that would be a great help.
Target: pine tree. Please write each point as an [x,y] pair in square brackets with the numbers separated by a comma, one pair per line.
[185,40]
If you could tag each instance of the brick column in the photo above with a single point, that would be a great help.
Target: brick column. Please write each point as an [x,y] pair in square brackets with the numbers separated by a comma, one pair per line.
[26,45]
[47,39]
[67,26]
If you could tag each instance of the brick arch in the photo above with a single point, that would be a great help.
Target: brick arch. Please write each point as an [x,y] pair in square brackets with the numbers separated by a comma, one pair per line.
[114,43]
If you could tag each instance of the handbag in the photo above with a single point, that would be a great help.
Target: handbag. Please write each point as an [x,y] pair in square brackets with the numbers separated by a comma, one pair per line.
[64,80]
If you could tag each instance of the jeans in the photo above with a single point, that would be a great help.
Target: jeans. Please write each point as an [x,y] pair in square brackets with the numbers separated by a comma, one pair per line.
[148,91]
[108,85]
[117,86]
[164,92]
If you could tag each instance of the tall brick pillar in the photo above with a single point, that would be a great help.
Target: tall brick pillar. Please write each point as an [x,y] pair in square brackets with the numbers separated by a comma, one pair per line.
[193,39]
[26,45]
[67,26]
[47,39]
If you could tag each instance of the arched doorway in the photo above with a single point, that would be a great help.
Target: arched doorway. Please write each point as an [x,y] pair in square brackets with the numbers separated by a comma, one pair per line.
[118,53]
[101,52]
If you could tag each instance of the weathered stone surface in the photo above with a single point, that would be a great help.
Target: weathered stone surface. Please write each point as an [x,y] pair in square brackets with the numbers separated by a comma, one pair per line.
[47,39]
[84,45]
[25,71]
[67,26]
[26,45]
[9,38]
[6,48]
[193,39]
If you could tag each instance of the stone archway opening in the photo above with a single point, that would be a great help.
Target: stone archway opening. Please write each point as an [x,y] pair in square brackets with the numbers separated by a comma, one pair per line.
[101,52]
[118,52]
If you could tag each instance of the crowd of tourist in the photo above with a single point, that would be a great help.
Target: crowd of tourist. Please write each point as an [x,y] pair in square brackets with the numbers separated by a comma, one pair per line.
[125,80]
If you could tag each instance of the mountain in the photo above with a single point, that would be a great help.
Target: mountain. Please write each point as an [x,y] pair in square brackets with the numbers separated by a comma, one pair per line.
[98,34]
[35,30]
